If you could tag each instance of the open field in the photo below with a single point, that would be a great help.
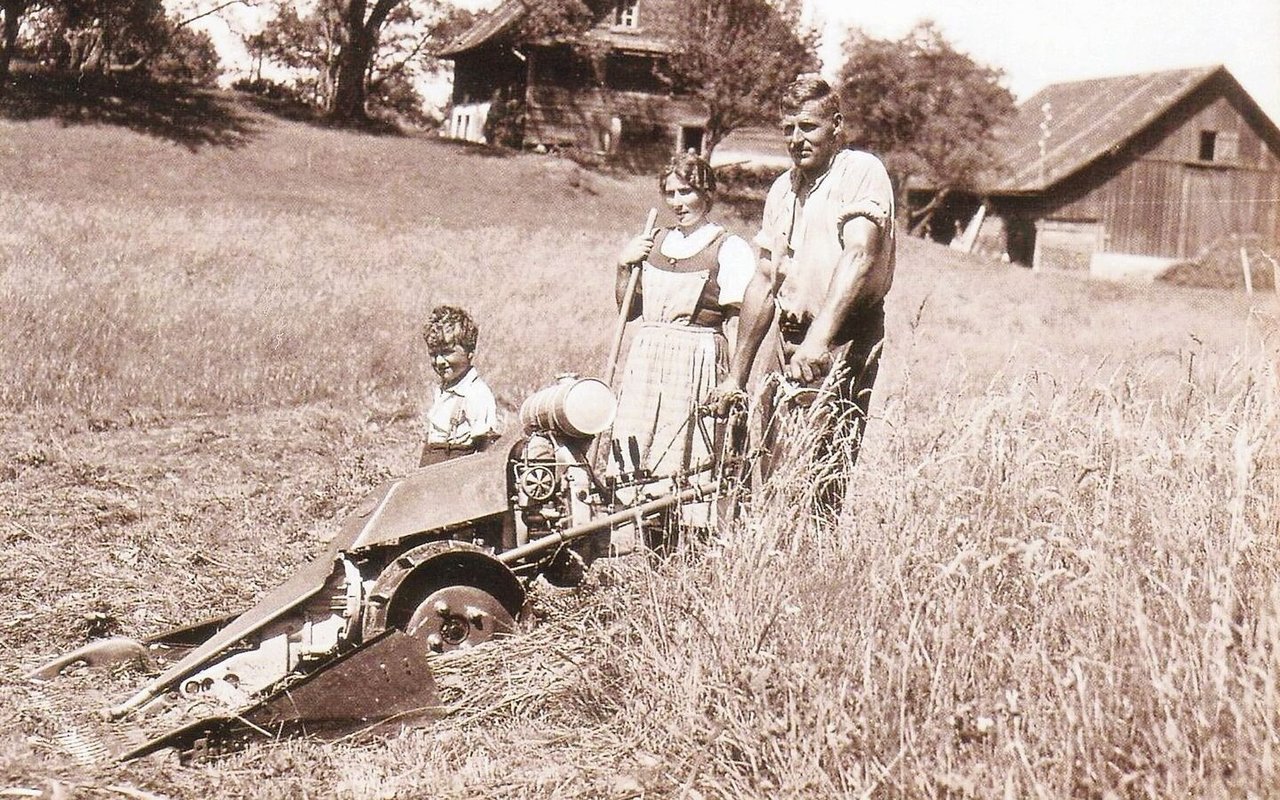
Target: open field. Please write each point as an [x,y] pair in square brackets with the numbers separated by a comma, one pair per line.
[1058,577]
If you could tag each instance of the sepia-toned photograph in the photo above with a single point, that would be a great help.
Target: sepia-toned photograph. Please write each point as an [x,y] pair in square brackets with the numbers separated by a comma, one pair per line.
[631,399]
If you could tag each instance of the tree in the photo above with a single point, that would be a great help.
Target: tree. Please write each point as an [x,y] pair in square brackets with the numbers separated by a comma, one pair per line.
[349,56]
[189,57]
[111,36]
[737,56]
[558,19]
[13,10]
[927,109]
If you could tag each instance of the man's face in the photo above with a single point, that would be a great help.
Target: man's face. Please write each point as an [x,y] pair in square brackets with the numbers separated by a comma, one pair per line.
[813,136]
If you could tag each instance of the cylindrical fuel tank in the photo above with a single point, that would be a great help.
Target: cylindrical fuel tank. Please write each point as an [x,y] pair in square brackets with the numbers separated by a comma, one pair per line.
[573,406]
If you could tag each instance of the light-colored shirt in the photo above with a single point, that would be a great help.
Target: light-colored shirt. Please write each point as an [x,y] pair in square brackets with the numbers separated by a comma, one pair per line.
[463,412]
[736,261]
[805,229]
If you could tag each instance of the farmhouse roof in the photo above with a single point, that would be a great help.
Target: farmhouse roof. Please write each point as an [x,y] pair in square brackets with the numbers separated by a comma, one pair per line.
[486,28]
[1082,121]
[496,24]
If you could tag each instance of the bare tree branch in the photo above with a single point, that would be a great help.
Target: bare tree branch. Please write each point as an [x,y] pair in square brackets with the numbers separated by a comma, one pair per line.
[215,10]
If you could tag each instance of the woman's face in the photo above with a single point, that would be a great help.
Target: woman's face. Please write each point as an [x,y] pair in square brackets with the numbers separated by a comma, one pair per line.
[688,204]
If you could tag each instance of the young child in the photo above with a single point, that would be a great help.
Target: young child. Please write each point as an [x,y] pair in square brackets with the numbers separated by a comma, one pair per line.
[463,417]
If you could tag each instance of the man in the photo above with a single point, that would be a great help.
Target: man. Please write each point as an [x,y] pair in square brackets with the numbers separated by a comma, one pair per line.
[825,264]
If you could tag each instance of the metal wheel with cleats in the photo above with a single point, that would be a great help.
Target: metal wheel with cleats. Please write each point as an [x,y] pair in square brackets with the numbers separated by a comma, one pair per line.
[459,616]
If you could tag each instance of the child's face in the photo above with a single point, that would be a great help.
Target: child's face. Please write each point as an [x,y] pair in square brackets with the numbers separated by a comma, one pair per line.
[450,363]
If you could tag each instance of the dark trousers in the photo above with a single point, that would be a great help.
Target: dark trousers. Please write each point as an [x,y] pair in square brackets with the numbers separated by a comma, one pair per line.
[814,433]
[433,453]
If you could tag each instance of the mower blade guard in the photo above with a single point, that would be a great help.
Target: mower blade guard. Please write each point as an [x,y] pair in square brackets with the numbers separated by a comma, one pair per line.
[385,679]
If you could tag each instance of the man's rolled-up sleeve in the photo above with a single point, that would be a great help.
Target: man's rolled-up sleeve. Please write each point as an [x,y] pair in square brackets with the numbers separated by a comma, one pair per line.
[866,192]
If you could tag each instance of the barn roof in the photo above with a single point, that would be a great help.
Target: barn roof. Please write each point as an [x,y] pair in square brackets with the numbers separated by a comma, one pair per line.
[1086,120]
[498,23]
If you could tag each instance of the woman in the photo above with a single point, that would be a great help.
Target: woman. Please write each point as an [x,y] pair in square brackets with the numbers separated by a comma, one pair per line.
[692,278]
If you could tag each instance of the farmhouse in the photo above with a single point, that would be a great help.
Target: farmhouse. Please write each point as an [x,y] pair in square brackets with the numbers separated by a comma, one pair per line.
[1128,175]
[610,94]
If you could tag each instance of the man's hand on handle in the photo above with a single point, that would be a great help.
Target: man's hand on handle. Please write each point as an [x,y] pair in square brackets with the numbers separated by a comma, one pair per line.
[726,395]
[809,363]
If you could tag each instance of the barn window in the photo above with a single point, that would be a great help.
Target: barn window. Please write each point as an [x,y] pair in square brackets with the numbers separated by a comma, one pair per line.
[625,13]
[1227,147]
[1208,142]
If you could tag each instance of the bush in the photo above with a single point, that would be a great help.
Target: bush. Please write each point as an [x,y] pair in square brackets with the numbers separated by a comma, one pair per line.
[189,57]
[745,180]
[271,90]
[1220,266]
[504,126]
[396,96]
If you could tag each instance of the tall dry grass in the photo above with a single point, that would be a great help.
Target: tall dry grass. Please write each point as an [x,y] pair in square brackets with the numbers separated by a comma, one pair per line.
[209,311]
[1054,590]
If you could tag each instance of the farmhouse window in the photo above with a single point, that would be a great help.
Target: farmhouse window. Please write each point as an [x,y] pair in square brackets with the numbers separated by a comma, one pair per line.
[632,73]
[625,13]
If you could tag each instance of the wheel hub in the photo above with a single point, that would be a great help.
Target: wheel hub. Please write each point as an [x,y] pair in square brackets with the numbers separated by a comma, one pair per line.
[459,616]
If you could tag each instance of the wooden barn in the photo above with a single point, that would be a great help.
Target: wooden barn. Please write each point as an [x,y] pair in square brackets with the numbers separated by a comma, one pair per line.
[1126,176]
[554,94]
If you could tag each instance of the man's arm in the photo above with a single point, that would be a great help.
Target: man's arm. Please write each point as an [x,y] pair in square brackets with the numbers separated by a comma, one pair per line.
[850,284]
[753,322]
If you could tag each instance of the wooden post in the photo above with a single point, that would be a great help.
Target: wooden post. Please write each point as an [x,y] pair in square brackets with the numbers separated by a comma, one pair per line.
[1248,273]
[969,237]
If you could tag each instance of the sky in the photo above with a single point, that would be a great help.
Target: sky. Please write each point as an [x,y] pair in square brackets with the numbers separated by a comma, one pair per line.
[1039,42]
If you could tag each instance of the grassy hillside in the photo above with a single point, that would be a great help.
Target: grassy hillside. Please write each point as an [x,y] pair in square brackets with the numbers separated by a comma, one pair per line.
[1057,576]
[294,267]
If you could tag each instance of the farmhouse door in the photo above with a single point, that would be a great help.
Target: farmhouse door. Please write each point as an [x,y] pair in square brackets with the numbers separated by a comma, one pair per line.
[1207,210]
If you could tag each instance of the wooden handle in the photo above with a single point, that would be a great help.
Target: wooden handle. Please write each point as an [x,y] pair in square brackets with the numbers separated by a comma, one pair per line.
[611,366]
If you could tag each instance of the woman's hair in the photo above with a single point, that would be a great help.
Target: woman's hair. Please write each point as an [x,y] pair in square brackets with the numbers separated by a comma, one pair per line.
[692,169]
[450,325]
[808,89]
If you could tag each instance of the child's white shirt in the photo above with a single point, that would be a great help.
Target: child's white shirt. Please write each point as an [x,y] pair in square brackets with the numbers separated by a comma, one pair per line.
[463,412]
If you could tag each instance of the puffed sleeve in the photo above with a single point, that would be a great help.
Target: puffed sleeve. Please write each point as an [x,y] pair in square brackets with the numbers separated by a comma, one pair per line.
[865,191]
[737,266]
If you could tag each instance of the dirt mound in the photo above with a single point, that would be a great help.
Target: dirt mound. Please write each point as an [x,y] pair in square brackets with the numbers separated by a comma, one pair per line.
[1221,266]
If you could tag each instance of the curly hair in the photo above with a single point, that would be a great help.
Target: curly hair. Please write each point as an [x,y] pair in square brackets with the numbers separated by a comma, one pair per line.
[691,168]
[810,88]
[450,325]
